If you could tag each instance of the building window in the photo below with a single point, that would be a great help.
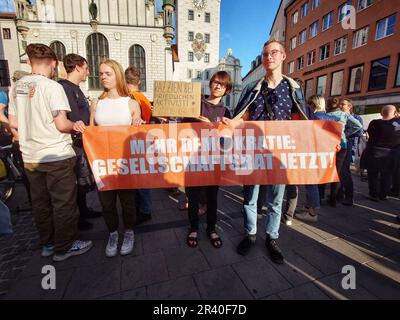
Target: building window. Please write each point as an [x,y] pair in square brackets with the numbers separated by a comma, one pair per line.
[207,17]
[207,57]
[295,17]
[397,83]
[292,44]
[314,29]
[6,33]
[207,37]
[96,51]
[304,10]
[321,85]
[337,83]
[303,36]
[4,74]
[379,73]
[362,4]
[59,50]
[310,58]
[190,73]
[300,63]
[191,15]
[190,56]
[137,58]
[355,80]
[315,4]
[291,67]
[360,37]
[190,36]
[207,75]
[385,27]
[198,75]
[340,45]
[309,88]
[324,52]
[327,21]
[344,11]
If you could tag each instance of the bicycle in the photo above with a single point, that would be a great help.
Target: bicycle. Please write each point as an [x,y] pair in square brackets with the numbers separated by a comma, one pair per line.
[10,174]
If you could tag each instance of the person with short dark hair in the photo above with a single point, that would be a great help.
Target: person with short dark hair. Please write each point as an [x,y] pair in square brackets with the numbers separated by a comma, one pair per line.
[38,110]
[77,71]
[212,110]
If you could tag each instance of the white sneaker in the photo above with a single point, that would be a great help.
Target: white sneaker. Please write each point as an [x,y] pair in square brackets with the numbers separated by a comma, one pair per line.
[127,245]
[112,245]
[77,248]
[305,216]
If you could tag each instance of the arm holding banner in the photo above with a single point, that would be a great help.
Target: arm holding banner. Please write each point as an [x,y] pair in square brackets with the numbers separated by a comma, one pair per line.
[135,113]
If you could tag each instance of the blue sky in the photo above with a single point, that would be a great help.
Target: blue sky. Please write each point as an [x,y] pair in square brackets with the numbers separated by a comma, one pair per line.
[245,26]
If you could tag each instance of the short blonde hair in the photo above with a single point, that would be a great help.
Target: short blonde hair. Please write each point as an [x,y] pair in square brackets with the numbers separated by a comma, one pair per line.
[318,102]
[272,40]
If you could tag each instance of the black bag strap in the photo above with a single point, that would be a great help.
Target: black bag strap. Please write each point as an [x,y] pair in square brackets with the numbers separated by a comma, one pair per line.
[270,114]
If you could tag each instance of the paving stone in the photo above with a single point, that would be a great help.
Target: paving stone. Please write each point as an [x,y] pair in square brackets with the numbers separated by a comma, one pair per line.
[221,284]
[90,282]
[271,297]
[155,241]
[377,284]
[260,277]
[352,250]
[323,230]
[177,289]
[31,288]
[303,230]
[348,226]
[322,258]
[143,270]
[184,261]
[135,294]
[390,268]
[296,270]
[332,286]
[306,291]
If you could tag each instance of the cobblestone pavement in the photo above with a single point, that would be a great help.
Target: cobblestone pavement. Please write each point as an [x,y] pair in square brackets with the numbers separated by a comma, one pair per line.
[162,266]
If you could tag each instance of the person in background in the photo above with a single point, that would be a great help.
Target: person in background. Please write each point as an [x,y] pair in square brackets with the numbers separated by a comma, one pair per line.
[382,152]
[38,110]
[345,193]
[212,110]
[116,107]
[143,196]
[77,71]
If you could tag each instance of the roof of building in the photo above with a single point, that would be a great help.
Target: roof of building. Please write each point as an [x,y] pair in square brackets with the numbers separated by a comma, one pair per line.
[7,15]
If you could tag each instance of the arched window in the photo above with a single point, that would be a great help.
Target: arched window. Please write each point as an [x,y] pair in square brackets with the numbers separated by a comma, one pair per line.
[59,49]
[96,51]
[137,58]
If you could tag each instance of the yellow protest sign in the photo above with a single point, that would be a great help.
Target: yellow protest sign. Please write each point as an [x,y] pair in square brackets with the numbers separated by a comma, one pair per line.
[177,99]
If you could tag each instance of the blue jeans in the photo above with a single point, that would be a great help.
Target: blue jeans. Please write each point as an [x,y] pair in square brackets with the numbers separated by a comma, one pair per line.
[143,203]
[292,194]
[274,209]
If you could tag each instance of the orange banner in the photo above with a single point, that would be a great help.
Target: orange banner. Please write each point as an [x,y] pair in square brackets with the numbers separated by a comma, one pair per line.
[197,154]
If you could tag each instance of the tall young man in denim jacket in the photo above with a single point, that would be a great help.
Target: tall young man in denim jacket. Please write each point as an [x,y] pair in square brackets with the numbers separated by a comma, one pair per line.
[275,97]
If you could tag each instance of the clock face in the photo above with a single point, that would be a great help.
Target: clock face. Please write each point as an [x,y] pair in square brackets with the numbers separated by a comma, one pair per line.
[199,4]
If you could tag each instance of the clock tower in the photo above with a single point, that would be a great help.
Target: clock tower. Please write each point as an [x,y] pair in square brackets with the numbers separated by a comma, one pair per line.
[197,38]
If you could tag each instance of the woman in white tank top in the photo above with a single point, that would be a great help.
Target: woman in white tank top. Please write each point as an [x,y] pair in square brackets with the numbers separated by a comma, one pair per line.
[115,107]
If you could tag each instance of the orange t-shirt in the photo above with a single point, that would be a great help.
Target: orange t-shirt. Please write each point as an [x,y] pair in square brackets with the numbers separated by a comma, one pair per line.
[144,103]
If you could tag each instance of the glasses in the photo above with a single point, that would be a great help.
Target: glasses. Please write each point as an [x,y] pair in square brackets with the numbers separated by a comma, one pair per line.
[215,82]
[273,53]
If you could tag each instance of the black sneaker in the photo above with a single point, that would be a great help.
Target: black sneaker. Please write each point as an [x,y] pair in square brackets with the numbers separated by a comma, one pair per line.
[348,202]
[245,245]
[274,251]
[373,198]
[142,218]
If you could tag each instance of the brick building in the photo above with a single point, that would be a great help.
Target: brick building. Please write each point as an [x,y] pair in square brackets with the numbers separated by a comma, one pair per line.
[346,49]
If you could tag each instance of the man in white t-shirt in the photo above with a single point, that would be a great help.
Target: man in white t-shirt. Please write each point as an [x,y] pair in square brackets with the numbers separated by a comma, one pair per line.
[38,110]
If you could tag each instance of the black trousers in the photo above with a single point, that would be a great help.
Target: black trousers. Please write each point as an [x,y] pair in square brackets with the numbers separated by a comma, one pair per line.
[194,195]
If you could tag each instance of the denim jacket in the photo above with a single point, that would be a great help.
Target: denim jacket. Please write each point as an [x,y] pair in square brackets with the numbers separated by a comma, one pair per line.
[350,125]
[253,89]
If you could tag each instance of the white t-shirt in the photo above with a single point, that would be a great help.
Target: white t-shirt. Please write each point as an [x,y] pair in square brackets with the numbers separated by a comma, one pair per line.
[32,100]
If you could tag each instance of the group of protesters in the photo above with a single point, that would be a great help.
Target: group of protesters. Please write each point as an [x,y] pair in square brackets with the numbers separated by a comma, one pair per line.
[47,118]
